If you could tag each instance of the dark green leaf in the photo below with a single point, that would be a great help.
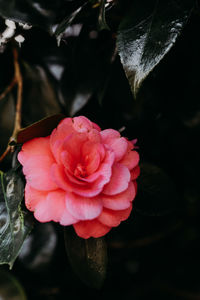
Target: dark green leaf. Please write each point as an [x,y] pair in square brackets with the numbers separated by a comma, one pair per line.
[10,288]
[66,23]
[15,225]
[86,70]
[147,33]
[157,195]
[88,257]
[7,116]
[38,251]
[39,94]
[102,17]
[41,128]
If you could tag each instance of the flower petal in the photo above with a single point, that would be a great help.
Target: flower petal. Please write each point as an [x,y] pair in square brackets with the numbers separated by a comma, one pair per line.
[83,208]
[58,135]
[109,134]
[117,143]
[37,146]
[135,173]
[41,212]
[82,124]
[119,180]
[37,172]
[58,209]
[113,218]
[59,176]
[92,228]
[33,196]
[120,201]
[130,160]
[93,184]
[105,169]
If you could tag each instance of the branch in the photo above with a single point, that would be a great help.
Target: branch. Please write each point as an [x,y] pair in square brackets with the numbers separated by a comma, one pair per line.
[18,110]
[19,82]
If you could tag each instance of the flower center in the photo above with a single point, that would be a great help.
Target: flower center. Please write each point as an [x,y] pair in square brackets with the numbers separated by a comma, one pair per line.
[80,170]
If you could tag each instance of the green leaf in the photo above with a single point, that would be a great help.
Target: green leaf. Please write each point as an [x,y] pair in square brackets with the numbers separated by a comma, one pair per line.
[41,128]
[102,18]
[88,258]
[15,225]
[10,288]
[66,22]
[146,35]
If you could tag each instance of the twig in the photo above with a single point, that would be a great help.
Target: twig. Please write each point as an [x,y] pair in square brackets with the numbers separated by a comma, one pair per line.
[19,82]
[8,89]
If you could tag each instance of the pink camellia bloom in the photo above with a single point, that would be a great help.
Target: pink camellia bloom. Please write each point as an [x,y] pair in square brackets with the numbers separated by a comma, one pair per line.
[80,176]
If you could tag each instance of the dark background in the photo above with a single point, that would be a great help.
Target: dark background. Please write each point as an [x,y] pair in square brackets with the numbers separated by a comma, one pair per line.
[155,253]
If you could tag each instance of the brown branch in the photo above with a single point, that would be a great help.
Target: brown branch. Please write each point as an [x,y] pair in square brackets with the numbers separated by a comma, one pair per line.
[19,82]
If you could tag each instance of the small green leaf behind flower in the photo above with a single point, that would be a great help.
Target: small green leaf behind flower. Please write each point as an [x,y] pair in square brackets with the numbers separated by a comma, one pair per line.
[41,128]
[88,258]
[15,225]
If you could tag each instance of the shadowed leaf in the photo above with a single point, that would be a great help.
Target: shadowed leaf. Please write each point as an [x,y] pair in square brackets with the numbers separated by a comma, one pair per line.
[39,94]
[41,128]
[157,194]
[88,257]
[10,288]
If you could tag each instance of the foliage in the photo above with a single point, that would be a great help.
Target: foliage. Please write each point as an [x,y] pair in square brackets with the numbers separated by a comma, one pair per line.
[127,64]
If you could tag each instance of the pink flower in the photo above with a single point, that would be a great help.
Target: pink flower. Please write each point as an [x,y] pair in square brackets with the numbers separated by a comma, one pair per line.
[80,176]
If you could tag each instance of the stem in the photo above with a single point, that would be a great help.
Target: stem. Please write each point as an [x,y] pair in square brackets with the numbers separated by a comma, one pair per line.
[16,80]
[5,153]
[18,110]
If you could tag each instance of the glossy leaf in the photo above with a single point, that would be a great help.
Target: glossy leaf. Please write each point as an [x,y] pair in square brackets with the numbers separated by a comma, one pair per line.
[15,225]
[41,128]
[88,258]
[10,288]
[146,35]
